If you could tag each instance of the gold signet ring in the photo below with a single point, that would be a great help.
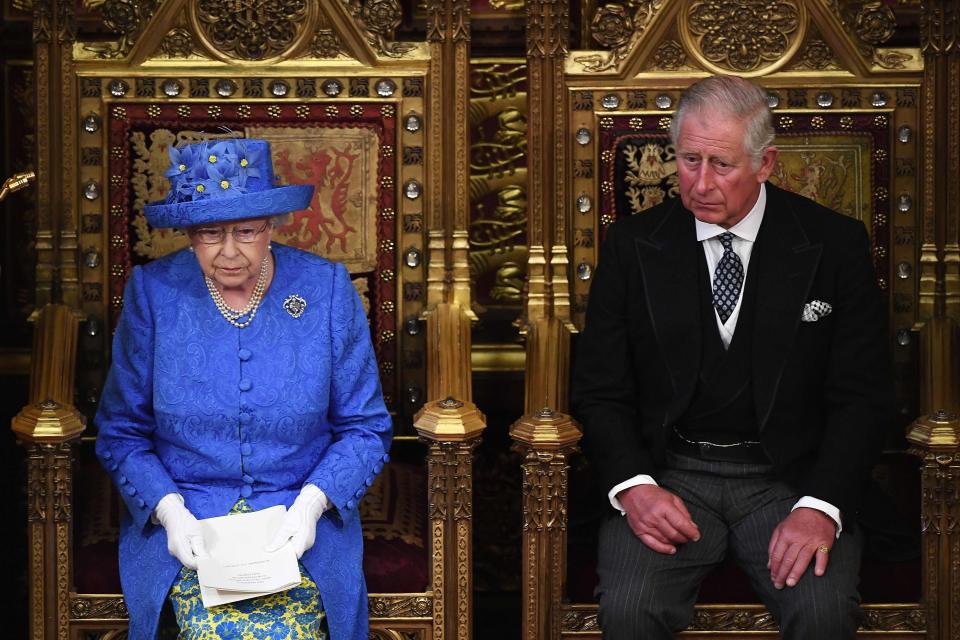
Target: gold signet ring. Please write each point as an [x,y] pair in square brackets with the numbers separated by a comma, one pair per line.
[823,549]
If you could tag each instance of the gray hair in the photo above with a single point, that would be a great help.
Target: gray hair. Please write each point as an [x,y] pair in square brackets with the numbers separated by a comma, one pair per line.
[734,97]
[280,219]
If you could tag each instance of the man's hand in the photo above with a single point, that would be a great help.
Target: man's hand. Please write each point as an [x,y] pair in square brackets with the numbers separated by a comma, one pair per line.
[658,517]
[795,541]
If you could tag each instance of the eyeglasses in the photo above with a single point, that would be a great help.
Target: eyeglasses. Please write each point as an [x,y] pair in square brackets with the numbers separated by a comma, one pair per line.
[216,235]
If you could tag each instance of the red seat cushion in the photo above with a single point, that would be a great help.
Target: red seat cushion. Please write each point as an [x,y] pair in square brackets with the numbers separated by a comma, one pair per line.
[394,520]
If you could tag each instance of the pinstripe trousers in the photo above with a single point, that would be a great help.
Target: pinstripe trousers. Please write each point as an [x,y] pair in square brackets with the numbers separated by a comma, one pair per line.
[645,595]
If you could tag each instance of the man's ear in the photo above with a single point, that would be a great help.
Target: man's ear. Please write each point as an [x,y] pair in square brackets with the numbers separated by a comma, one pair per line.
[767,162]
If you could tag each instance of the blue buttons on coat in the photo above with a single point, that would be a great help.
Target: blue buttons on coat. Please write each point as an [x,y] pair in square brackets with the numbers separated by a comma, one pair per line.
[377,467]
[106,455]
[121,479]
[141,503]
[244,354]
[246,490]
[386,457]
[368,481]
[351,504]
[245,384]
[358,494]
[248,478]
[113,465]
[131,490]
[245,448]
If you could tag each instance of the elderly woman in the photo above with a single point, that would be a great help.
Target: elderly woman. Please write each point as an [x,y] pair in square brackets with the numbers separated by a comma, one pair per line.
[243,377]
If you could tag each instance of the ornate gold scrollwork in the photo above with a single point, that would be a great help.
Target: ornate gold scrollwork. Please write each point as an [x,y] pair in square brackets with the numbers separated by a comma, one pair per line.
[751,36]
[875,23]
[891,59]
[616,26]
[894,619]
[380,19]
[326,44]
[817,55]
[612,25]
[252,29]
[125,18]
[178,43]
[413,606]
[107,607]
[669,56]
[397,634]
[733,620]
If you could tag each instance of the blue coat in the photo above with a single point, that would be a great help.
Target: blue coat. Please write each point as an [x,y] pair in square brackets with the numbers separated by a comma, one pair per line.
[196,406]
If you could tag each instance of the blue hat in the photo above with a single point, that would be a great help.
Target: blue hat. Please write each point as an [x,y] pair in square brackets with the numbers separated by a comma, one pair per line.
[219,180]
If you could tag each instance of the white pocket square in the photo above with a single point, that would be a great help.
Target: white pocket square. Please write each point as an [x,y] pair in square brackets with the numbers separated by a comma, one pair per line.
[815,309]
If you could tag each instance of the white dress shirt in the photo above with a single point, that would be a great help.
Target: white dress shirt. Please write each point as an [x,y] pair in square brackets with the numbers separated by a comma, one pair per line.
[745,235]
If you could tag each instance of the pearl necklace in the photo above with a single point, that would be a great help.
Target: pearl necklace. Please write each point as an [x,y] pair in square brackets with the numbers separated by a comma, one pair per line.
[233,315]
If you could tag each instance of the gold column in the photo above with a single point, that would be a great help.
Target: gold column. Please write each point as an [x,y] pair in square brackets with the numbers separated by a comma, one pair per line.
[448,311]
[546,437]
[940,150]
[54,32]
[48,428]
[936,440]
[546,321]
[546,441]
[448,203]
[452,429]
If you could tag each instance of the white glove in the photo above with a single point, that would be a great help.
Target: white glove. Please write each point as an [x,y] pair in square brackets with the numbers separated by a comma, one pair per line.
[300,524]
[184,539]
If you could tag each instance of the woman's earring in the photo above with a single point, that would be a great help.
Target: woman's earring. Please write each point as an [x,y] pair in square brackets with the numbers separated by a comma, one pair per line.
[190,248]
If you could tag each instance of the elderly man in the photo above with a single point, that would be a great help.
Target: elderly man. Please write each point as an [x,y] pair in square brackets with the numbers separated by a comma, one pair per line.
[733,382]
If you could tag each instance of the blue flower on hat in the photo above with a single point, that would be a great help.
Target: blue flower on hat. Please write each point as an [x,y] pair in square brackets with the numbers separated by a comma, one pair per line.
[180,161]
[219,152]
[223,175]
[223,180]
[248,159]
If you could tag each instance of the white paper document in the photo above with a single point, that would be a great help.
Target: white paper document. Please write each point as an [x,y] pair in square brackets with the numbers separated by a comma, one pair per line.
[238,567]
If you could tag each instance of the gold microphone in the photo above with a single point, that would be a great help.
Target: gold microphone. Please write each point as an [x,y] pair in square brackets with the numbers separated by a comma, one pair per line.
[16,182]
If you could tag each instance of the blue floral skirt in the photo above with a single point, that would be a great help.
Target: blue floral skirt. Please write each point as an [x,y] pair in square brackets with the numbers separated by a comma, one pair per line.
[294,613]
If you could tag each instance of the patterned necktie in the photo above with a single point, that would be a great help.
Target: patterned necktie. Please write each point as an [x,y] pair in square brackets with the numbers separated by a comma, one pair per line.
[727,279]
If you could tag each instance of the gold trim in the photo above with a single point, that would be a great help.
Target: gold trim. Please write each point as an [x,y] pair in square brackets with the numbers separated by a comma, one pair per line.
[715,621]
[497,357]
[14,362]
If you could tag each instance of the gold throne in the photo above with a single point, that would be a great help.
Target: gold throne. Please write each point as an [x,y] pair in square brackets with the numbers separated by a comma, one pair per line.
[347,107]
[860,129]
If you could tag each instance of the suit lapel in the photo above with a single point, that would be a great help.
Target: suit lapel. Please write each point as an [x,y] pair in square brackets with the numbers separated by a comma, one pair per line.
[786,262]
[668,266]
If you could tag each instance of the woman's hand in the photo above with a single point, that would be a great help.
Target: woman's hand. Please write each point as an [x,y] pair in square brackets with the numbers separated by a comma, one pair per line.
[184,539]
[300,524]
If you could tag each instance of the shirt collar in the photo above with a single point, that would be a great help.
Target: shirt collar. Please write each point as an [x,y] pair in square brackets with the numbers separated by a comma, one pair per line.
[746,229]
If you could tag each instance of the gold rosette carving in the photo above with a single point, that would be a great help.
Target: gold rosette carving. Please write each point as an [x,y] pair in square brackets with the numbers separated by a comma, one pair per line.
[748,37]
